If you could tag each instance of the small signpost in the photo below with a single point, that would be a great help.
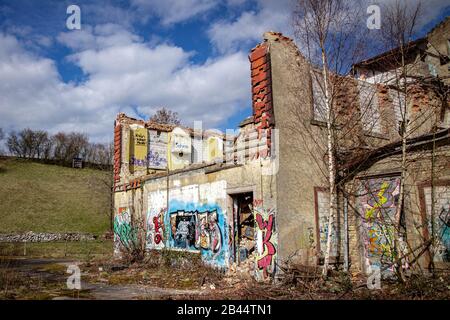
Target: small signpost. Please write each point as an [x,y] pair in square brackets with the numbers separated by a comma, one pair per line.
[77,163]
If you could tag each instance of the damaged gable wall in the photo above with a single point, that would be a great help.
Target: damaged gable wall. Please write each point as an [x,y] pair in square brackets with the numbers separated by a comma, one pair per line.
[302,202]
[298,173]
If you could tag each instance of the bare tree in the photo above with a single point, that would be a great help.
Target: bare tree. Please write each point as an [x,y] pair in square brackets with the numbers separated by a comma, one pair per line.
[68,146]
[2,136]
[332,36]
[99,153]
[166,116]
[398,29]
[22,144]
[327,31]
[41,143]
[401,24]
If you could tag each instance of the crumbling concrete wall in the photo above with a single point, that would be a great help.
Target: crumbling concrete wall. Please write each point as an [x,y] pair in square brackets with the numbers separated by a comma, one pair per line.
[302,208]
[279,157]
[192,209]
[299,170]
[438,47]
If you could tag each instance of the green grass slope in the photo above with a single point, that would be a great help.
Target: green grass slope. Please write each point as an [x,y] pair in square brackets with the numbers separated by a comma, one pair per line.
[49,198]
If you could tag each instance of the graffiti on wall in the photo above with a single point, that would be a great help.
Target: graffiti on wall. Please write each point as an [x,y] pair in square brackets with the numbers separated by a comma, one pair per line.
[266,242]
[196,230]
[322,212]
[157,153]
[194,220]
[196,226]
[378,203]
[124,234]
[443,228]
[153,159]
[157,158]
[155,230]
[157,208]
[441,248]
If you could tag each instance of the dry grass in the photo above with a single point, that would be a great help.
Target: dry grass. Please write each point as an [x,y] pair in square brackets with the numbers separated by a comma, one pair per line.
[165,269]
[49,198]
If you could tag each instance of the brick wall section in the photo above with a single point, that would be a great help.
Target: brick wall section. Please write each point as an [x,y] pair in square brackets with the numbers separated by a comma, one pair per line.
[388,116]
[348,113]
[262,90]
[117,152]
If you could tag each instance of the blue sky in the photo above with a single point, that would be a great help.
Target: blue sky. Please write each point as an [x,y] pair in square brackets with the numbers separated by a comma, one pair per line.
[135,56]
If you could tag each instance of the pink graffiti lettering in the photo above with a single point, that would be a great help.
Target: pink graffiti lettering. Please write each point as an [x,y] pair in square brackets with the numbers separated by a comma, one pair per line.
[265,262]
[158,237]
[257,202]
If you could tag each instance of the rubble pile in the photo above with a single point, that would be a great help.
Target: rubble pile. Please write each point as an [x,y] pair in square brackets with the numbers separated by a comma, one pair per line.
[46,237]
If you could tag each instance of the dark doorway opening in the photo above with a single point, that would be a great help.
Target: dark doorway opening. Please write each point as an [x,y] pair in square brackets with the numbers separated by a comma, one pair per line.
[244,226]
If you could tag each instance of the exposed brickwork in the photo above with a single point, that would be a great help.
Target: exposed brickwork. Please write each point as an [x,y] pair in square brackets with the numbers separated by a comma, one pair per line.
[133,184]
[388,114]
[262,91]
[117,152]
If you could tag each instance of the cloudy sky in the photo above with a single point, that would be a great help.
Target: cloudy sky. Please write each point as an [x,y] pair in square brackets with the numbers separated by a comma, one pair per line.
[135,56]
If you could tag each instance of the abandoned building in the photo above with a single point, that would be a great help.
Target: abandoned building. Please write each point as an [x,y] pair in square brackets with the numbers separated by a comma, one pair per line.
[259,197]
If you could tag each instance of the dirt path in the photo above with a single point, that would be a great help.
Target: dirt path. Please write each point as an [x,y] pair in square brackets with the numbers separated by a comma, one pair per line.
[115,292]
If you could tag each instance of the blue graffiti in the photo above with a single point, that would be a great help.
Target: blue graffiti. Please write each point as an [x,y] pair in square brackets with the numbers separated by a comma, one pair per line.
[444,233]
[202,227]
[152,159]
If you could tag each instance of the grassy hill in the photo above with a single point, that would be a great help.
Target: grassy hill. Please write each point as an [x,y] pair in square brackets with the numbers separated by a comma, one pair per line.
[49,198]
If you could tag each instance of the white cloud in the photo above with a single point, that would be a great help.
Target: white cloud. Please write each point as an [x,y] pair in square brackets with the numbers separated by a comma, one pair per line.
[100,36]
[275,15]
[130,76]
[106,11]
[249,27]
[33,95]
[174,11]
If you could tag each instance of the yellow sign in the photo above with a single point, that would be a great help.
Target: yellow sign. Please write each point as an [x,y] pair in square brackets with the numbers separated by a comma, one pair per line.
[138,152]
[213,148]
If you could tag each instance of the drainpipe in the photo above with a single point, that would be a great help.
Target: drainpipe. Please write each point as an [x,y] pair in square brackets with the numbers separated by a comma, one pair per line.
[346,253]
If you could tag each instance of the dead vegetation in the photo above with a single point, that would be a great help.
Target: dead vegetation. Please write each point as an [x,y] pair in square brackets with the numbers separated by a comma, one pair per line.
[304,283]
[175,271]
[165,269]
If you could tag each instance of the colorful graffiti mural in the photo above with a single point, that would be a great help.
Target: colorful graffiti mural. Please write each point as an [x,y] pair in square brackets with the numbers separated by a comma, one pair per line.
[155,230]
[157,208]
[196,226]
[199,230]
[322,214]
[378,204]
[266,242]
[441,247]
[124,233]
[443,227]
[195,220]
